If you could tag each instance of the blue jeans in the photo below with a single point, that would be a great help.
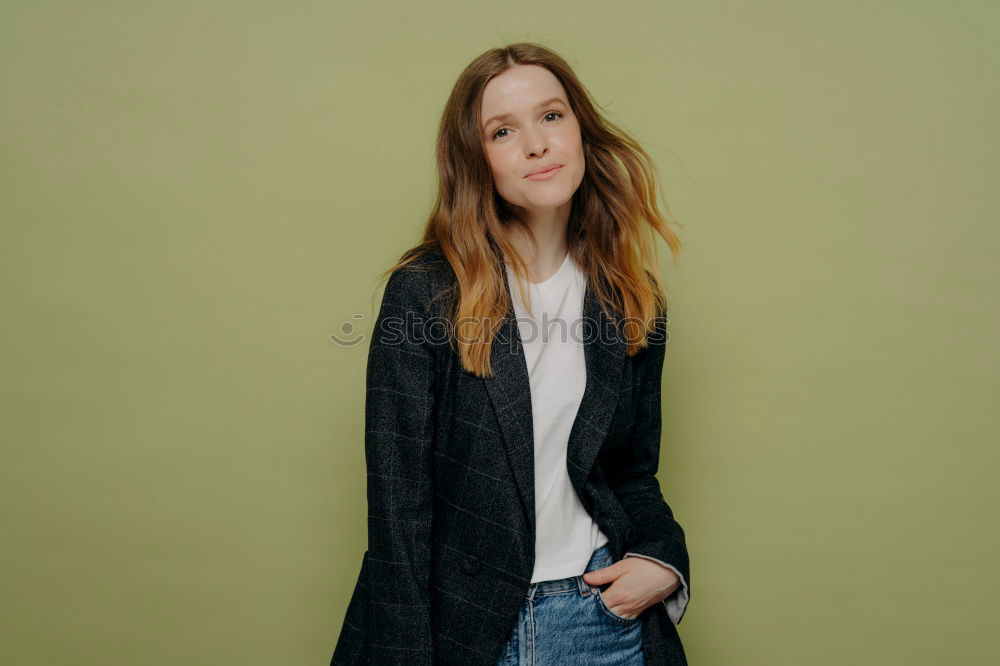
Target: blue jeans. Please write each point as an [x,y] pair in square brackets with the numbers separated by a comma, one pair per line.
[566,621]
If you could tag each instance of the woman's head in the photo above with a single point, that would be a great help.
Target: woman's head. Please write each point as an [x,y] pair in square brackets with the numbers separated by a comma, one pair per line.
[528,125]
[606,185]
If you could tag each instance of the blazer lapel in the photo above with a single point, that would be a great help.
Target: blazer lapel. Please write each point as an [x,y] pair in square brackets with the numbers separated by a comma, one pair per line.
[510,392]
[604,349]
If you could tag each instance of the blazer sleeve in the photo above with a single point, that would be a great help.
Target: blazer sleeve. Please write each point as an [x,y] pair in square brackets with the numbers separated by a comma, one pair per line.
[634,481]
[399,407]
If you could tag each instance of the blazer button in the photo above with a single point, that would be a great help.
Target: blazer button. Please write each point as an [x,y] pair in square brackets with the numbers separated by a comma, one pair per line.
[471,565]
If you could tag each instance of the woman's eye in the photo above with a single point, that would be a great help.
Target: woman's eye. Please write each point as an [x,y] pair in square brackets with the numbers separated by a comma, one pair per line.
[504,129]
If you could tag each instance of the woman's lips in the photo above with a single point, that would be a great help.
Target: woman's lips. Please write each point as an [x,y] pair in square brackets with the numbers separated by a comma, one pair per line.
[545,175]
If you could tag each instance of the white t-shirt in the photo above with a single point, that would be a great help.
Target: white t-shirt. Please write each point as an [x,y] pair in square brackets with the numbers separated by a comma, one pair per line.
[551,336]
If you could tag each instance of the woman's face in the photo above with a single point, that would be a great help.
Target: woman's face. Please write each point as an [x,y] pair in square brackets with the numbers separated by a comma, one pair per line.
[536,129]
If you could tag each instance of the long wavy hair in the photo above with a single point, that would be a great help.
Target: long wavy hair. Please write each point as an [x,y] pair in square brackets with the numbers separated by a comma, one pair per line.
[610,234]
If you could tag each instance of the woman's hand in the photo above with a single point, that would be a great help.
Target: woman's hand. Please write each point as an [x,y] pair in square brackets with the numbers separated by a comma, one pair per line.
[638,584]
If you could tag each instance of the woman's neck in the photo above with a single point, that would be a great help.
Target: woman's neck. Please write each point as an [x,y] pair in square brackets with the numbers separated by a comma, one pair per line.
[546,255]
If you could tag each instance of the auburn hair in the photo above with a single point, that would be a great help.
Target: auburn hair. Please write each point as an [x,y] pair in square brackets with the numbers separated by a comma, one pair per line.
[613,216]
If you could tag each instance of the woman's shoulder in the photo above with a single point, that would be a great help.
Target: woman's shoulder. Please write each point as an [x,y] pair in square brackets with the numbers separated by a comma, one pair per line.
[425,279]
[427,258]
[425,266]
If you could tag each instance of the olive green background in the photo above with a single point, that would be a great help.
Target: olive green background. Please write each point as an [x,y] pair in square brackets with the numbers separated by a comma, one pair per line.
[197,195]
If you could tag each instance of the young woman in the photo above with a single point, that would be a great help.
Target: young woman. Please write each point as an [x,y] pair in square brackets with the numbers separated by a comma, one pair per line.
[513,401]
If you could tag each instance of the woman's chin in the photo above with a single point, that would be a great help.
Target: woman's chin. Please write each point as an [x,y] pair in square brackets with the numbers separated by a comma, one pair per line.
[551,201]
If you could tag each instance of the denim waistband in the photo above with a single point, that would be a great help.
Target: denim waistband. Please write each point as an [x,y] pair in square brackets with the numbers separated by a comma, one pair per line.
[601,558]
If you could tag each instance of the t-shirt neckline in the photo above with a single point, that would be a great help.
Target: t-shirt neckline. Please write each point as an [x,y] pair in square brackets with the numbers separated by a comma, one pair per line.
[552,279]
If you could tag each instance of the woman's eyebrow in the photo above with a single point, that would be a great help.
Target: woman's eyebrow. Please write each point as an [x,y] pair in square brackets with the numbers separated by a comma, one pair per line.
[506,116]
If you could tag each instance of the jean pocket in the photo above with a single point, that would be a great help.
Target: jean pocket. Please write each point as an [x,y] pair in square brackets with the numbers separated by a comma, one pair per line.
[610,613]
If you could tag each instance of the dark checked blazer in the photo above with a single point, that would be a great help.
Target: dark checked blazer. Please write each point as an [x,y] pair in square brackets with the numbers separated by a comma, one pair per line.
[451,507]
